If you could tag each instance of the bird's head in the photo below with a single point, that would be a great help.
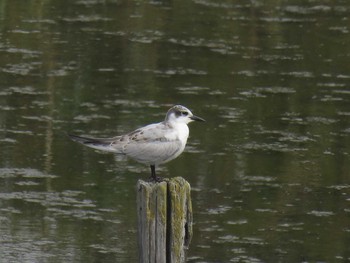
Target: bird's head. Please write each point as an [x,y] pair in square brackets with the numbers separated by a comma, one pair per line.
[181,114]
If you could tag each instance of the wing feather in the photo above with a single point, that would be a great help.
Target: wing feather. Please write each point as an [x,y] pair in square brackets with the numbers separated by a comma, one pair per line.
[153,144]
[103,144]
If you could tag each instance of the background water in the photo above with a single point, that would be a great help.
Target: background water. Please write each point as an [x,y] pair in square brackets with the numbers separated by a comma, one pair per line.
[270,169]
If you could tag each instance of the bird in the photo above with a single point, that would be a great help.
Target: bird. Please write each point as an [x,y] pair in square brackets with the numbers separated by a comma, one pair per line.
[153,144]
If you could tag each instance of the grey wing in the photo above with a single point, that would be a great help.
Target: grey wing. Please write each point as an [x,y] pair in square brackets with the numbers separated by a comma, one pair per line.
[149,145]
[103,144]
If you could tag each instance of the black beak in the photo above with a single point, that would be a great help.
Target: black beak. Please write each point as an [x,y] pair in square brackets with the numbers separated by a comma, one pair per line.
[196,118]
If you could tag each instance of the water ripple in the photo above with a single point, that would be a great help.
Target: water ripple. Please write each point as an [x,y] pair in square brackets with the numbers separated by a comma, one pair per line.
[86,19]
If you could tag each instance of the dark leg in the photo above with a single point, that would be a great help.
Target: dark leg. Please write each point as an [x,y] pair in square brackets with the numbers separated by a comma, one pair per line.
[153,177]
[153,173]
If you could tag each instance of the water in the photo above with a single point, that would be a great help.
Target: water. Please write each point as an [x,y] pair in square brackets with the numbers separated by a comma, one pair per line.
[269,169]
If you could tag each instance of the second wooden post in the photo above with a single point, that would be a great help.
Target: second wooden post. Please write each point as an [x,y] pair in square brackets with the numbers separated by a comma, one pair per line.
[164,220]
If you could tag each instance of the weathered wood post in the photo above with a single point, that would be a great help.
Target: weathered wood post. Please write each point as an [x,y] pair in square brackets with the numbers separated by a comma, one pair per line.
[164,211]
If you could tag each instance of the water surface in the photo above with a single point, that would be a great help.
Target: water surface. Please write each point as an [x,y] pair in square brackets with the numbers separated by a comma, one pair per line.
[269,169]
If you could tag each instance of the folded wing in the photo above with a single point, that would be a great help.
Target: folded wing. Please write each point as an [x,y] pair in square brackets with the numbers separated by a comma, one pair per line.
[103,144]
[153,144]
[149,145]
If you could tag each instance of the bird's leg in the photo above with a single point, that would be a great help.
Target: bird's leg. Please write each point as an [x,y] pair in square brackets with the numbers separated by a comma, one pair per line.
[153,174]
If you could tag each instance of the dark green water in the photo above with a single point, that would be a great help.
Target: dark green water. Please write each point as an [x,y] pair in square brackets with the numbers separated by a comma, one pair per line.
[270,169]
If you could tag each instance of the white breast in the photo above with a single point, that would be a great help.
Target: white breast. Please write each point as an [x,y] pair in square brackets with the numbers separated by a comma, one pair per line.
[180,132]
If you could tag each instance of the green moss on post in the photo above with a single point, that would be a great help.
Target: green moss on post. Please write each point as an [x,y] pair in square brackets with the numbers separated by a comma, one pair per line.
[164,220]
[151,204]
[180,219]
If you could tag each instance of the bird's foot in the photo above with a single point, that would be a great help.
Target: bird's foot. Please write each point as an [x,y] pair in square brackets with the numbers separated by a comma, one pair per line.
[157,179]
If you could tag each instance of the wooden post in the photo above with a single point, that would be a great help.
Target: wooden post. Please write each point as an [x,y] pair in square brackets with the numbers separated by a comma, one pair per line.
[164,212]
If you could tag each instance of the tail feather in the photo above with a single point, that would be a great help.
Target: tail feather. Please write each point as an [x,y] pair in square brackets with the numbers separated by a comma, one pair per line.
[84,140]
[96,143]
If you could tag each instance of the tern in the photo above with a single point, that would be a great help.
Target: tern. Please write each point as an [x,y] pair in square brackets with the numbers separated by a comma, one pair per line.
[153,144]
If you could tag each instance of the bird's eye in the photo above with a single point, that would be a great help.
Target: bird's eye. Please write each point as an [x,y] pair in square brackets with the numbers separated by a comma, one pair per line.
[184,113]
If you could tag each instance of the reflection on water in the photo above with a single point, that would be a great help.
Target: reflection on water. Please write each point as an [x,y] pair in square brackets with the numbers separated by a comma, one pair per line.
[269,170]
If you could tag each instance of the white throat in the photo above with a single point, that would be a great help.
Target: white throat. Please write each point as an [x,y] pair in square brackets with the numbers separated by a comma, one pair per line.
[180,132]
